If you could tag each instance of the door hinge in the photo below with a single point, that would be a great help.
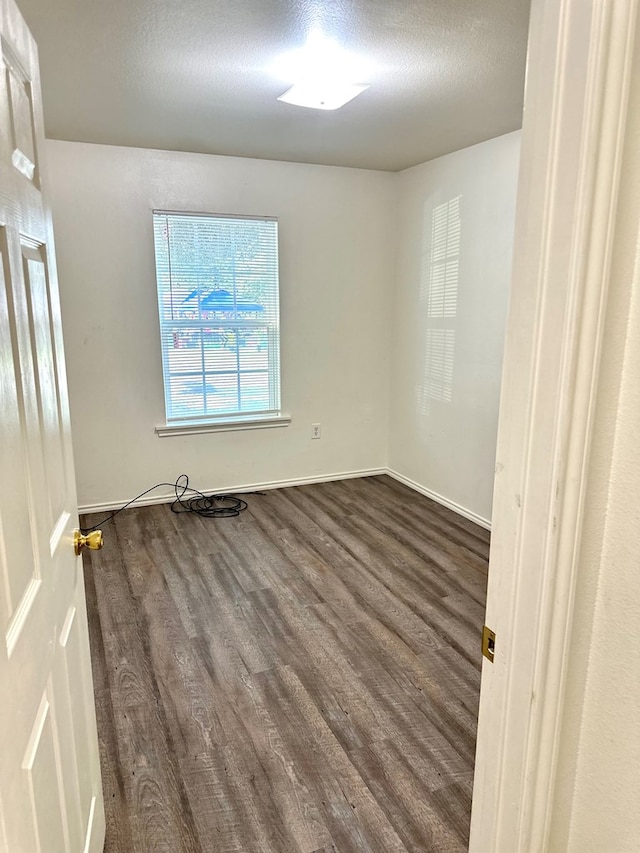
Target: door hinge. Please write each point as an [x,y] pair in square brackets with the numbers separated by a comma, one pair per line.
[488,643]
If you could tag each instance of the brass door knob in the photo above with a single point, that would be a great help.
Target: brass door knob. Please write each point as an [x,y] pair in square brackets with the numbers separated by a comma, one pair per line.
[93,541]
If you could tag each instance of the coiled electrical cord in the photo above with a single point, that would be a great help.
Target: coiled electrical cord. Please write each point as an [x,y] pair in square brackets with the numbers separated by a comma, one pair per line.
[206,506]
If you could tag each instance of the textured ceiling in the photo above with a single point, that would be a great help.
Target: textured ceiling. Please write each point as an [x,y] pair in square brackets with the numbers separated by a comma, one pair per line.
[193,75]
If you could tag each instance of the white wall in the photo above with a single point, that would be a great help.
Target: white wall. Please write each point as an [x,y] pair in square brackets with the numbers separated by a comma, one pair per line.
[344,235]
[336,268]
[443,423]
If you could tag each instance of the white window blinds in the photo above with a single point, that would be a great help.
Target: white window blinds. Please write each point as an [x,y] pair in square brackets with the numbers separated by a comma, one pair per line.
[218,301]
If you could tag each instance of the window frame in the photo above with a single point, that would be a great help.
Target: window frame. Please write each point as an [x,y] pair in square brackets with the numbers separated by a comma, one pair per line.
[235,419]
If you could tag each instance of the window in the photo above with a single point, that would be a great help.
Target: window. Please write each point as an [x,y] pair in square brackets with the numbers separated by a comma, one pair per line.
[217,282]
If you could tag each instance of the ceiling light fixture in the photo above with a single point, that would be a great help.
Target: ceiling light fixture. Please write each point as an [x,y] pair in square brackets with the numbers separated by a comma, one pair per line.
[323,75]
[321,94]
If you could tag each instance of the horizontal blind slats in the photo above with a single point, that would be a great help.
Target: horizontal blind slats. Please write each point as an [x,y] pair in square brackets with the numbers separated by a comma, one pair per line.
[218,303]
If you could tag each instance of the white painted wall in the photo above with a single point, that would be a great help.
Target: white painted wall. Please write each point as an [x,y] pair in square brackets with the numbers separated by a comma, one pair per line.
[336,269]
[597,797]
[447,446]
[338,249]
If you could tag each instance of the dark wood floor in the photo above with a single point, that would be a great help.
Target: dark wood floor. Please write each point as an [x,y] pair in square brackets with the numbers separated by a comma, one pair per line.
[304,677]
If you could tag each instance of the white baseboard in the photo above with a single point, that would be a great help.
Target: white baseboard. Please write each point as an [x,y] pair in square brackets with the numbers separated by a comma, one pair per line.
[467,513]
[150,500]
[164,497]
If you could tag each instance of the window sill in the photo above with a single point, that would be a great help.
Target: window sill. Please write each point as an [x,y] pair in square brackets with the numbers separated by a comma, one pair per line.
[231,425]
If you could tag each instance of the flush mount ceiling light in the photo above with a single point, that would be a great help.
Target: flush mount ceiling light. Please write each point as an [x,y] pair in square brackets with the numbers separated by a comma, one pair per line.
[323,75]
[321,94]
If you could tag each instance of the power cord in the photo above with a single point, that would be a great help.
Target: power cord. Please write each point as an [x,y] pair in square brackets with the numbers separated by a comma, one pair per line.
[206,506]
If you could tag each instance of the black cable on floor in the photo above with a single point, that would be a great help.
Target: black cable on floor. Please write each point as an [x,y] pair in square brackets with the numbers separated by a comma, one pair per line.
[206,506]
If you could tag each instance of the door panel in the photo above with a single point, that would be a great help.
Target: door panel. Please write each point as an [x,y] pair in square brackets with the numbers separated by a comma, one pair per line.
[19,559]
[21,113]
[41,772]
[71,681]
[46,387]
[21,109]
[17,549]
[50,790]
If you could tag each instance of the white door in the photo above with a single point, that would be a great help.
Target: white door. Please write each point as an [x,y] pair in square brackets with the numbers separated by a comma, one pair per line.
[50,791]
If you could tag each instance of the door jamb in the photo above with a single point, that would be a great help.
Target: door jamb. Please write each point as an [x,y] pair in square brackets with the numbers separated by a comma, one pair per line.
[576,102]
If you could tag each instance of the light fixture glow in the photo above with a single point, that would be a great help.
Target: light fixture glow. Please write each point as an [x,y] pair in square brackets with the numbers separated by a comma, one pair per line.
[320,57]
[321,95]
[324,76]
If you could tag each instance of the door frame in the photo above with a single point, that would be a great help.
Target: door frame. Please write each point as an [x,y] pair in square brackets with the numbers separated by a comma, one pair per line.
[576,103]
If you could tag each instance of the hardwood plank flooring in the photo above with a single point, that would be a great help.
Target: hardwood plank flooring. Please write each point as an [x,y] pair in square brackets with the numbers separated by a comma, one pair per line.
[302,678]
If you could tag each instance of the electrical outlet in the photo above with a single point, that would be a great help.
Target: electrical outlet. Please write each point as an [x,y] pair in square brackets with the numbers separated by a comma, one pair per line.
[315,430]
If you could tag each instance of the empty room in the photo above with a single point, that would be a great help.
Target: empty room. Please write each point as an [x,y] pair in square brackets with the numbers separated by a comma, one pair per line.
[337,307]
